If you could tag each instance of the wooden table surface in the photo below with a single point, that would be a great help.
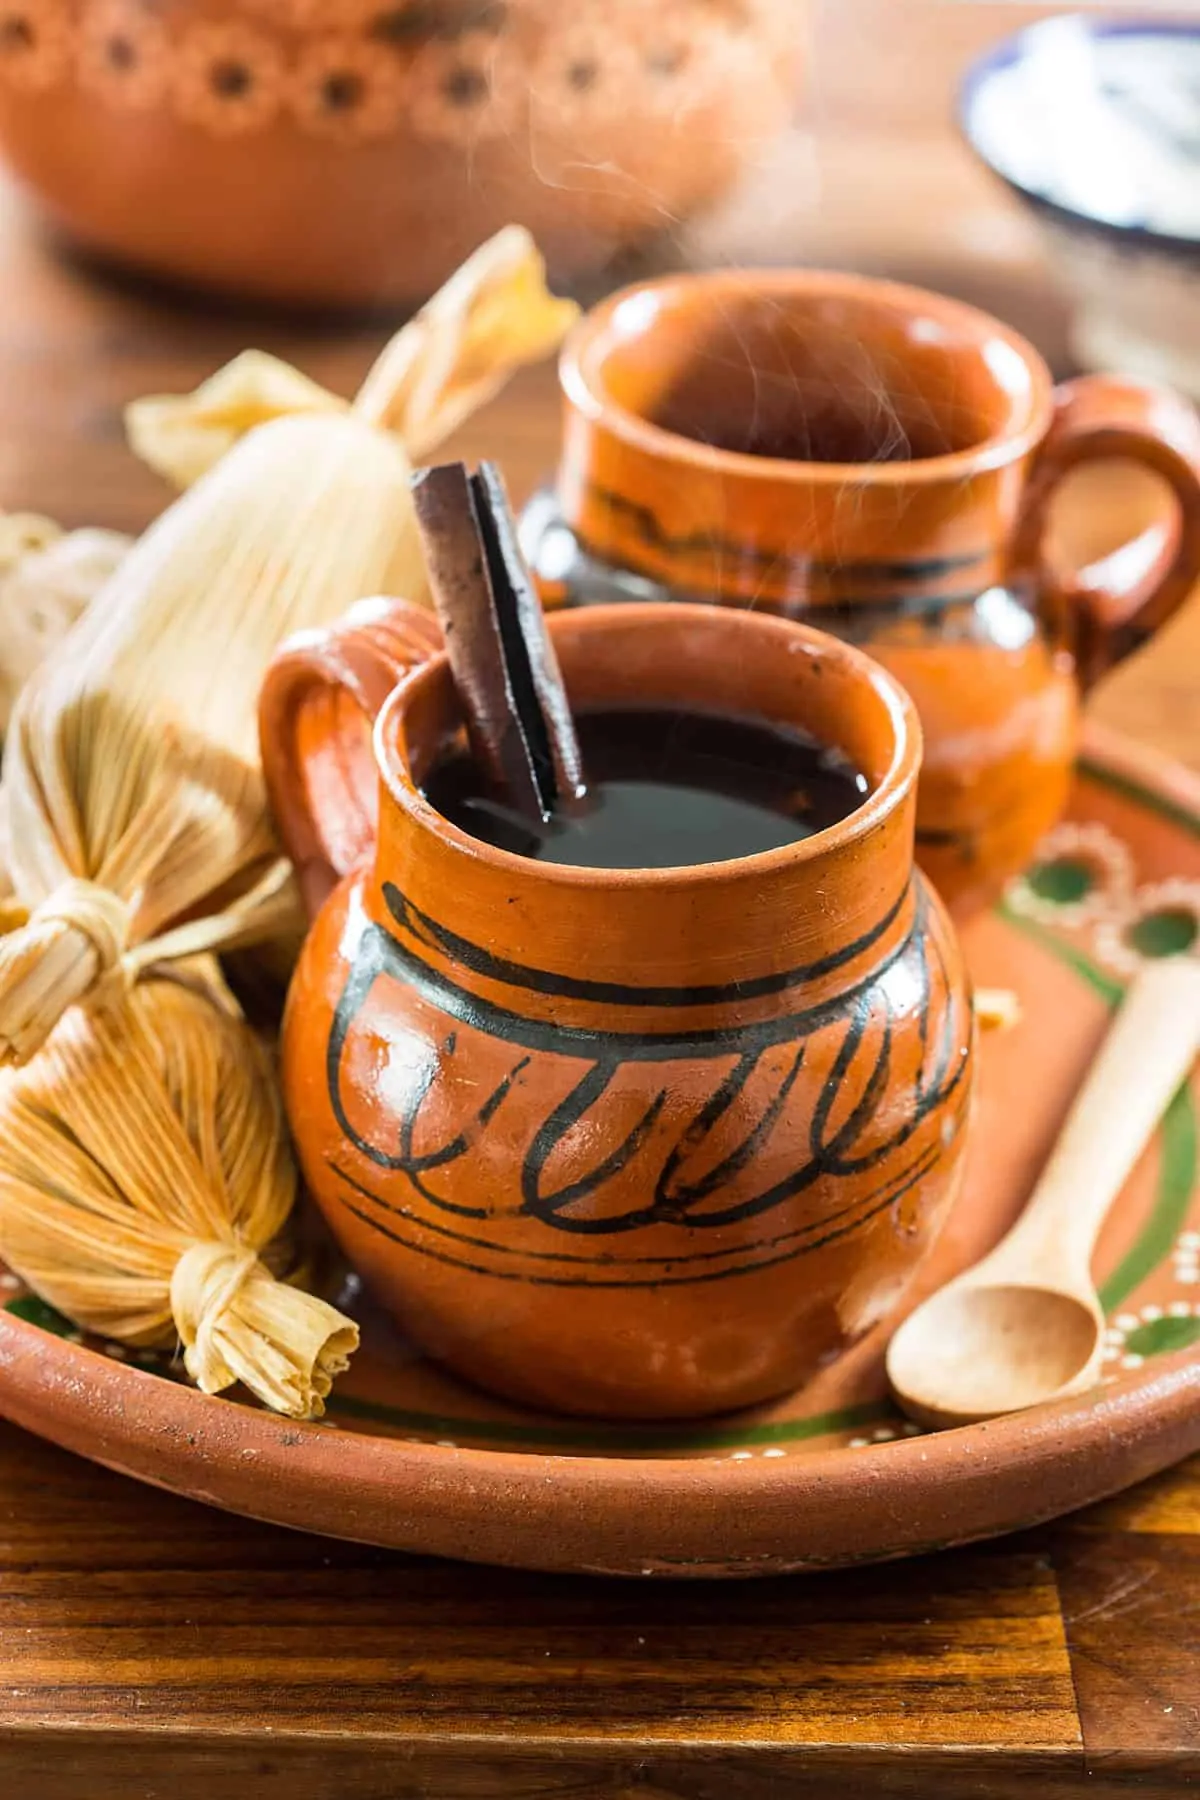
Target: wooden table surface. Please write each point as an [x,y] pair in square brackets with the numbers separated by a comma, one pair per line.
[149,1647]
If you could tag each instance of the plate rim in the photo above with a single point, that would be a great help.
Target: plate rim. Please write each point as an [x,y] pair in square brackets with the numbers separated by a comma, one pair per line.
[657,1515]
[1006,54]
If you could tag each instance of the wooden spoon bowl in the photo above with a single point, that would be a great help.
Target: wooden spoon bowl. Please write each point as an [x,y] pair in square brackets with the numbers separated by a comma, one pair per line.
[1025,1325]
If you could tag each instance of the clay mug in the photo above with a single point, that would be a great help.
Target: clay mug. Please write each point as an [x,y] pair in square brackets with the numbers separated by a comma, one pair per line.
[880,461]
[637,1143]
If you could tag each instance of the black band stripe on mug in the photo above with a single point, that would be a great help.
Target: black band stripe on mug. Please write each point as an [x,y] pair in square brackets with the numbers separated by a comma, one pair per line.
[602,1259]
[924,570]
[379,953]
[902,1186]
[506,973]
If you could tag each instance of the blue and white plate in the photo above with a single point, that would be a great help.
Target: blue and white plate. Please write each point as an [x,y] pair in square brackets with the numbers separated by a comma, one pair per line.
[1095,124]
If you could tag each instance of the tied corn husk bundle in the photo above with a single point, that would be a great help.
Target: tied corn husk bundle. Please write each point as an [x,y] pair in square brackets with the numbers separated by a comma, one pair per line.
[47,577]
[146,1187]
[493,315]
[145,1179]
[137,822]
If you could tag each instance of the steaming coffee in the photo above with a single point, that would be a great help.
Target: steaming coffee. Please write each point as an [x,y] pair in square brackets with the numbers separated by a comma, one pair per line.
[666,789]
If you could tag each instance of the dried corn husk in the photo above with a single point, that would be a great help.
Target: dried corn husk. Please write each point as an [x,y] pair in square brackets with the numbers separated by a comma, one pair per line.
[493,315]
[145,1187]
[137,820]
[47,577]
[182,436]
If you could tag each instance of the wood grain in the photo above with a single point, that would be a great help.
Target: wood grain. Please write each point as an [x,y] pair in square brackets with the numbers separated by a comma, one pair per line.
[150,1645]
[121,1604]
[152,1648]
[352,1637]
[1167,1506]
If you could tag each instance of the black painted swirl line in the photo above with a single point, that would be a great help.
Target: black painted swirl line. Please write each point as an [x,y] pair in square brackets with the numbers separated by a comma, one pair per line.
[417,1167]
[410,1162]
[955,1001]
[937,1039]
[830,1151]
[370,960]
[481,961]
[678,1205]
[934,1086]
[368,966]
[925,1099]
[600,1258]
[860,1019]
[414,1166]
[903,1185]
[549,1207]
[923,1018]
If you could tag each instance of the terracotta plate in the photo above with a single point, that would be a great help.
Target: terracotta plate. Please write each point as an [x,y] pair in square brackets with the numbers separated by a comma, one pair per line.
[413,1459]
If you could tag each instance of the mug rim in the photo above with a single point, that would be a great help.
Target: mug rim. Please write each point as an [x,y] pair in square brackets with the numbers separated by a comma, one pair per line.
[580,361]
[885,796]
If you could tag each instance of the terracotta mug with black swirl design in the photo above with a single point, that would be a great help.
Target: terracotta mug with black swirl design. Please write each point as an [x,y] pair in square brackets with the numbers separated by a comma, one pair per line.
[882,462]
[634,1143]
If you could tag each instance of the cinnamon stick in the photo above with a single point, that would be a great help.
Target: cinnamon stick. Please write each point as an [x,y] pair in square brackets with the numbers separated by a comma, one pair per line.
[519,722]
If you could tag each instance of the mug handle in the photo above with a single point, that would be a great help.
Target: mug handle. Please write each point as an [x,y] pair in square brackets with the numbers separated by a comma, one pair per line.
[1116,604]
[321,695]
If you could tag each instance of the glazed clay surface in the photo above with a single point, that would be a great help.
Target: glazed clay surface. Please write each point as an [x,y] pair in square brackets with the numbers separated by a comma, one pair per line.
[354,152]
[881,461]
[635,1143]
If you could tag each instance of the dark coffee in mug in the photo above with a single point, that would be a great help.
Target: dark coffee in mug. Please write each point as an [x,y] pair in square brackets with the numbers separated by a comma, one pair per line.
[666,789]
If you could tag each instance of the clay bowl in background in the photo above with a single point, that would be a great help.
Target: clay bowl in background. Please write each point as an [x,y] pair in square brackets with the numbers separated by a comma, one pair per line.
[353,152]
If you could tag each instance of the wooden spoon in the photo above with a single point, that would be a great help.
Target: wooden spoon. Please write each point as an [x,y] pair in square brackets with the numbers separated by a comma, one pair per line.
[1025,1325]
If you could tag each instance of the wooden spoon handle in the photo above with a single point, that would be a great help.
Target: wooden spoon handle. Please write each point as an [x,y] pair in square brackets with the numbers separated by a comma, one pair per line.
[1146,1055]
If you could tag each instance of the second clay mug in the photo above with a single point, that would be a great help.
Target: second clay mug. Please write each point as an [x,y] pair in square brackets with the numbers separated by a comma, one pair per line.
[630,1142]
[879,461]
